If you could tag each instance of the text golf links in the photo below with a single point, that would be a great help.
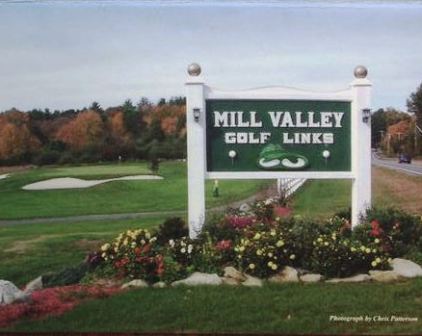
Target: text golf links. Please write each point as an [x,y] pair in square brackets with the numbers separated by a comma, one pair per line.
[278,119]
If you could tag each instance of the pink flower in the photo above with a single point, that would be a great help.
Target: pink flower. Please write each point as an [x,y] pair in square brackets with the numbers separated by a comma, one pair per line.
[240,222]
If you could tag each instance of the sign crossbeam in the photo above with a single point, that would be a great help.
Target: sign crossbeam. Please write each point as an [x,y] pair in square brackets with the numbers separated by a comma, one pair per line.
[275,133]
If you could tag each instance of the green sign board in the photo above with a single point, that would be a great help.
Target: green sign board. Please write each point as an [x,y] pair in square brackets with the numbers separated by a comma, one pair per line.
[278,135]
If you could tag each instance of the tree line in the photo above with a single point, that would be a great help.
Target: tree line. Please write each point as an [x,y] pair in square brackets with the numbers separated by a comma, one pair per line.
[394,131]
[129,131]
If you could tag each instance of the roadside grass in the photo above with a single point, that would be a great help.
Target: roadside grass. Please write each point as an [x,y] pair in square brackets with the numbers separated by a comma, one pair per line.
[323,198]
[397,189]
[27,251]
[113,197]
[287,308]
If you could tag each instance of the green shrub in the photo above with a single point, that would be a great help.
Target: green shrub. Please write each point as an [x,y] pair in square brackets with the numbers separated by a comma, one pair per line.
[398,230]
[335,256]
[172,228]
[263,250]
[47,157]
[67,276]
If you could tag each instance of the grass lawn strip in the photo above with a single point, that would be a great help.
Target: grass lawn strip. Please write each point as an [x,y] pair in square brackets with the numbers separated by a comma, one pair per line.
[289,308]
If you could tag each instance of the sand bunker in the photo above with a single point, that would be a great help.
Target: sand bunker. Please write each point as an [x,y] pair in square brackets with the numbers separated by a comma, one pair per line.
[75,183]
[3,176]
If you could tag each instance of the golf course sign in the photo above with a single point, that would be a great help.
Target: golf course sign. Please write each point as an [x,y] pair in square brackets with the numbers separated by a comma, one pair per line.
[277,133]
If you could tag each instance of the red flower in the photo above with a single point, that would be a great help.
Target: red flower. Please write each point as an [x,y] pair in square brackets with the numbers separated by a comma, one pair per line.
[160,264]
[376,230]
[280,211]
[51,301]
[224,245]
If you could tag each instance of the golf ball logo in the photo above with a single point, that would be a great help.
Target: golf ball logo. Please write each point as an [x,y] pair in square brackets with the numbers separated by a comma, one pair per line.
[273,157]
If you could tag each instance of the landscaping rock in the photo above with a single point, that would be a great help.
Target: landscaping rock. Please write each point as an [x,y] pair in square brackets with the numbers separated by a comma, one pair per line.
[231,281]
[198,278]
[406,268]
[34,285]
[9,293]
[252,281]
[385,276]
[231,272]
[356,278]
[160,284]
[137,283]
[288,274]
[245,207]
[311,278]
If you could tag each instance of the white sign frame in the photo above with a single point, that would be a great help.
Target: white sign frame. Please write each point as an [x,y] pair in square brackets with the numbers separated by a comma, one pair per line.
[358,94]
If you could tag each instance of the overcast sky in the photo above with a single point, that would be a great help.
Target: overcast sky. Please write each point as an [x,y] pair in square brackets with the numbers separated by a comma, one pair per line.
[62,55]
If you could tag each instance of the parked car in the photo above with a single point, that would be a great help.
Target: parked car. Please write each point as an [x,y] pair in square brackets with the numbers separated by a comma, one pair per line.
[405,158]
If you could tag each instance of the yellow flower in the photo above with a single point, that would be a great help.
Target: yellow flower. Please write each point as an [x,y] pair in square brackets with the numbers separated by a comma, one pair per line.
[270,254]
[272,233]
[376,241]
[269,264]
[362,248]
[280,243]
[105,247]
[352,249]
[378,260]
[258,252]
[274,267]
[251,266]
[257,236]
[125,242]
[319,240]
[368,250]
[242,248]
[292,257]
[326,243]
[374,263]
[374,250]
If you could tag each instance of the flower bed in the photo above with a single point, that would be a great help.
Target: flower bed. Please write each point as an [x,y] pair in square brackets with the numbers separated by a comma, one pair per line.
[260,242]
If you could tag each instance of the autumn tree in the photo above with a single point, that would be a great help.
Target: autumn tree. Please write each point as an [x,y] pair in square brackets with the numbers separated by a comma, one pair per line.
[414,105]
[16,140]
[86,130]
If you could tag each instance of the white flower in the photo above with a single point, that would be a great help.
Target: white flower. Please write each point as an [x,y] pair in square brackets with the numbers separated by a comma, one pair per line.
[190,248]
[171,242]
[143,241]
[183,250]
[280,243]
[147,235]
[252,266]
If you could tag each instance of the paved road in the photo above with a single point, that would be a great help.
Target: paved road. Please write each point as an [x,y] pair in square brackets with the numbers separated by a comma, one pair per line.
[415,168]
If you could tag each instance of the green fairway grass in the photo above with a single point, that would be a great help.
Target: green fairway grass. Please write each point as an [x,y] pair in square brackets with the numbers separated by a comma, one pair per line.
[112,197]
[27,251]
[322,198]
[287,308]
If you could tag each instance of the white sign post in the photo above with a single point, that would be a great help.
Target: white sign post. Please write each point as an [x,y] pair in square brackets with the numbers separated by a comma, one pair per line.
[358,94]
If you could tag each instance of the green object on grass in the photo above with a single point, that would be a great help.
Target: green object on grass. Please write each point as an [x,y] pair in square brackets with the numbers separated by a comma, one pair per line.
[273,157]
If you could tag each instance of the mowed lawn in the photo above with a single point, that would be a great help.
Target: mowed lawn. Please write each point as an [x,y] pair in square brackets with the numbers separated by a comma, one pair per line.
[112,197]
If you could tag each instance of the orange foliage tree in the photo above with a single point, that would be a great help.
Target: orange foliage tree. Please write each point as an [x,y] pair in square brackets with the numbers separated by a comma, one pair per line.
[86,130]
[16,139]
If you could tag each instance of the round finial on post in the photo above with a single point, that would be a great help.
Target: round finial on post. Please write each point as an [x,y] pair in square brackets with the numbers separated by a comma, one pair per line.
[194,69]
[361,71]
